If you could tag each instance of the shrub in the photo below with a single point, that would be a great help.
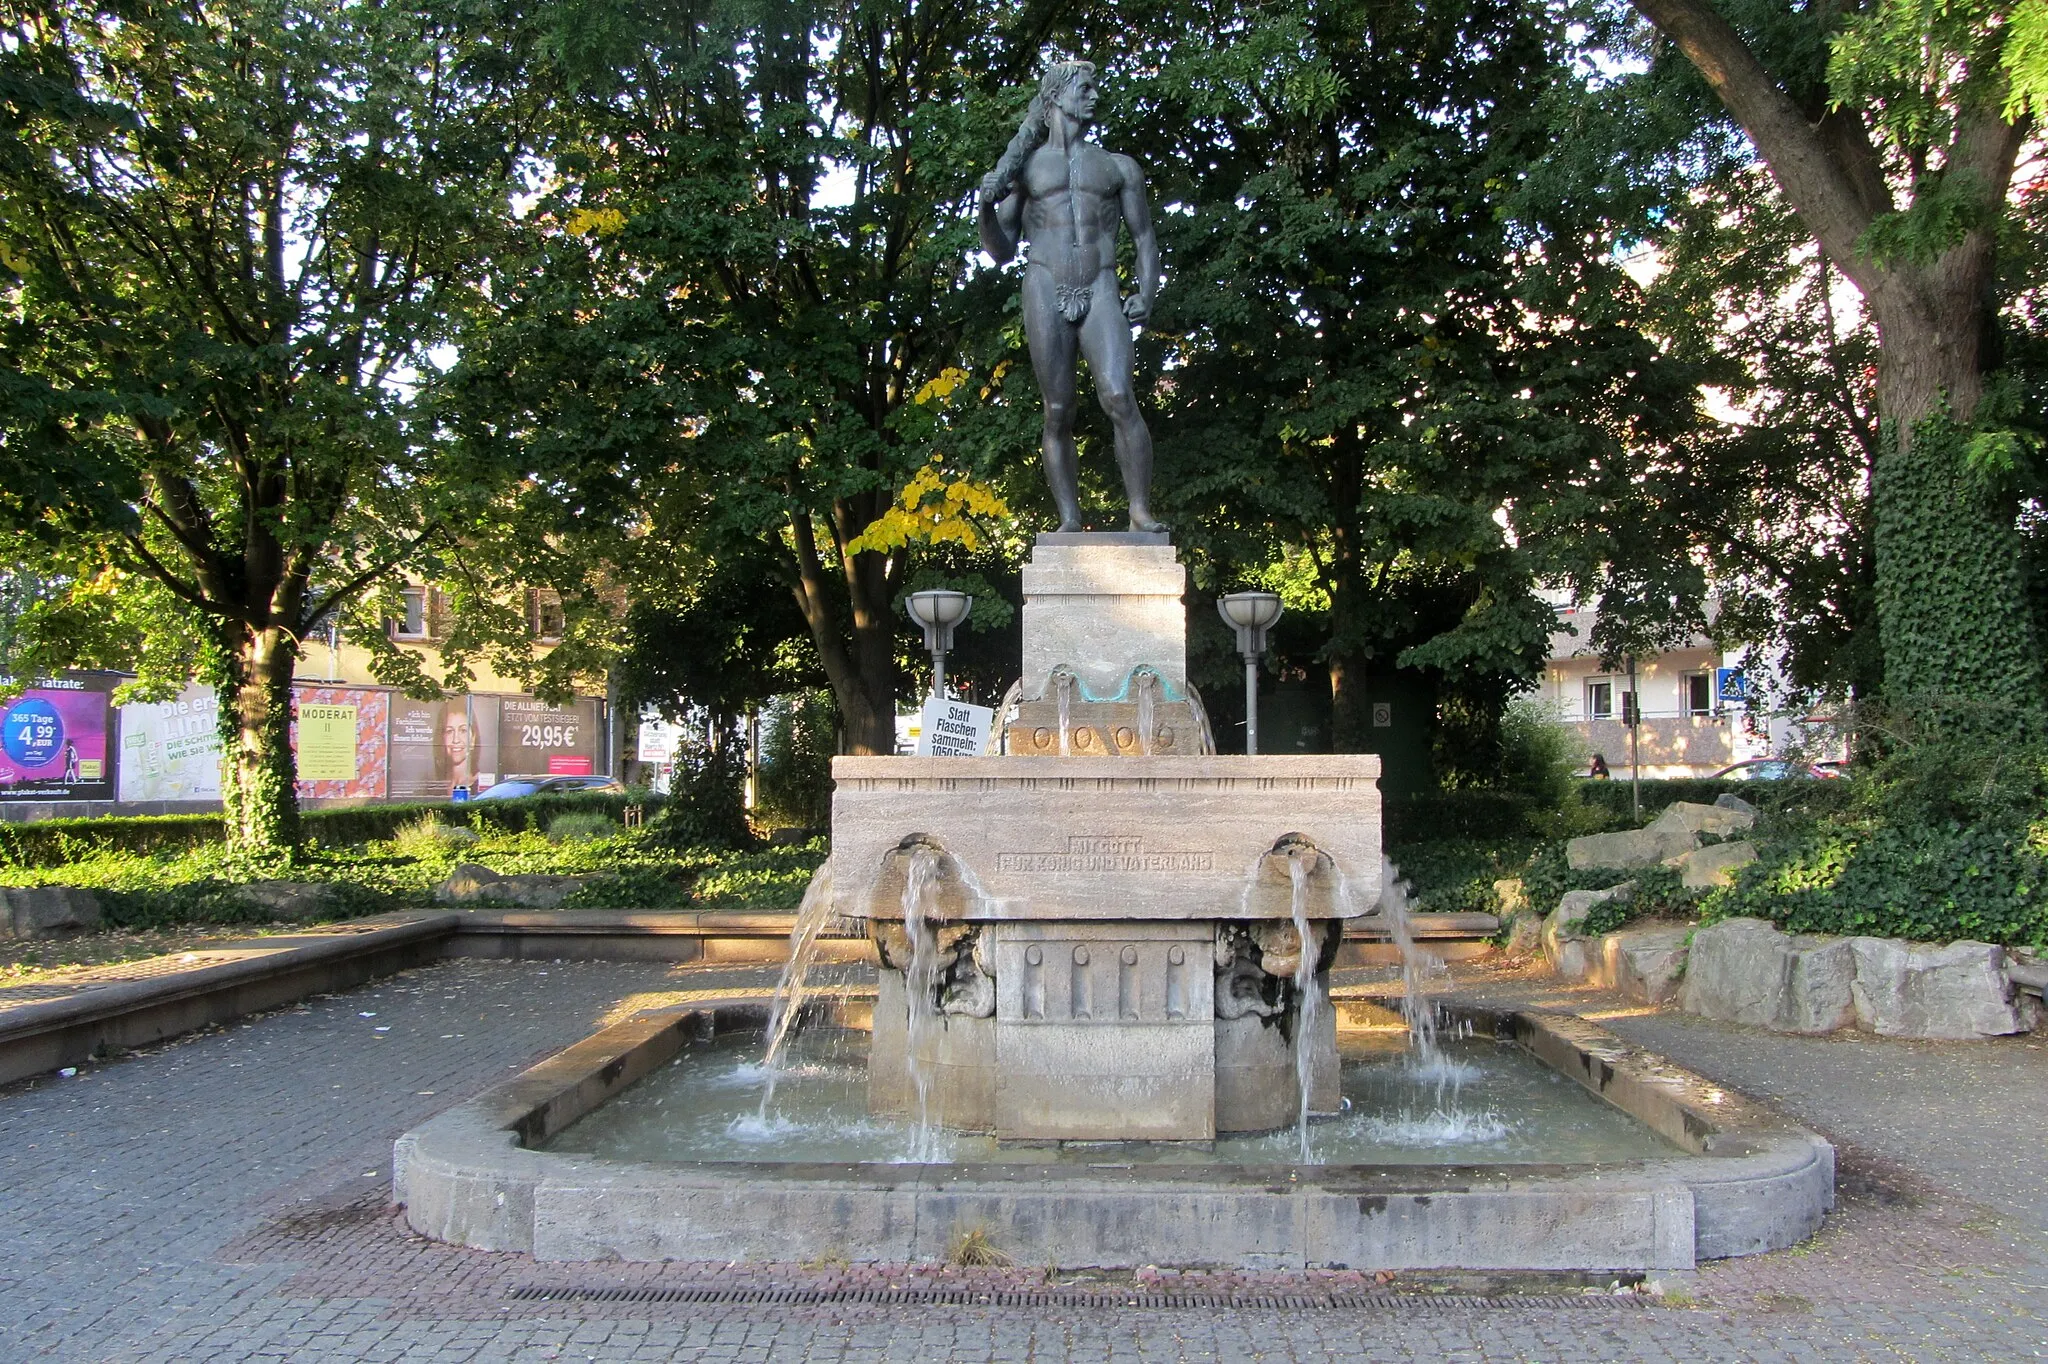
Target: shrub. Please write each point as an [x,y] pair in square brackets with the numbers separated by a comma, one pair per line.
[428,837]
[773,878]
[648,887]
[1658,890]
[708,806]
[59,842]
[1942,835]
[793,774]
[580,826]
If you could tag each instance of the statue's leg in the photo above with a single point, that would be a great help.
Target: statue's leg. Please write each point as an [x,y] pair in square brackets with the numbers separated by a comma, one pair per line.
[1054,346]
[1106,341]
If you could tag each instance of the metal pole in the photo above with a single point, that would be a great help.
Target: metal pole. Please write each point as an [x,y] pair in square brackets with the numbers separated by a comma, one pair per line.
[1635,726]
[1251,703]
[939,673]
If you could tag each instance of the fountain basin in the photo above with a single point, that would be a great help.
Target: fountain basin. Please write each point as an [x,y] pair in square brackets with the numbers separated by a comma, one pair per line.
[1738,1180]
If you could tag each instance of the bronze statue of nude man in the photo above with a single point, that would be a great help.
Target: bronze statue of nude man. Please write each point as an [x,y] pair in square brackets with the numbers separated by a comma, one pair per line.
[1065,197]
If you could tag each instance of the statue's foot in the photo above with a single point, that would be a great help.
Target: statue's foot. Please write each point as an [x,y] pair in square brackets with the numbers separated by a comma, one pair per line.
[1069,525]
[1143,522]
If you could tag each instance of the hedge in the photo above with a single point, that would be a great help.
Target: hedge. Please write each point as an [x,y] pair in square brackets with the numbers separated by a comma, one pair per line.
[55,842]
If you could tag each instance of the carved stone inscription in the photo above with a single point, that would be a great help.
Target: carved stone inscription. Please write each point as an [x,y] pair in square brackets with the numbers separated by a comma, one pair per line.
[1105,853]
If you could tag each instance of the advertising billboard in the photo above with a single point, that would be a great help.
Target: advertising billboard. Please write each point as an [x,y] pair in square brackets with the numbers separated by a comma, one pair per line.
[338,735]
[535,738]
[437,746]
[170,750]
[54,741]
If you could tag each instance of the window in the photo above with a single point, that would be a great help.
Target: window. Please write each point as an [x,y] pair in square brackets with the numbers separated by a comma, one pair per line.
[1600,699]
[1696,693]
[547,616]
[413,623]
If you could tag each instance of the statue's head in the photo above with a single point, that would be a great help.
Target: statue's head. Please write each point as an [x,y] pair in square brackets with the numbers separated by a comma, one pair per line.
[1069,86]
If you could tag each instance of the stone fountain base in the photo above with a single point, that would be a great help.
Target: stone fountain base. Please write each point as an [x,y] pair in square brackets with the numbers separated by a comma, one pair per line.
[1106,1032]
[1739,1180]
[1115,944]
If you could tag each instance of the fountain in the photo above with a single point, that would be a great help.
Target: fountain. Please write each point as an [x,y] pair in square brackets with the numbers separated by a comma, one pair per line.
[1102,1031]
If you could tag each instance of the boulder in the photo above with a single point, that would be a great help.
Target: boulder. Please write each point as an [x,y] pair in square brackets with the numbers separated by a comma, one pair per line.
[1958,990]
[47,911]
[1510,897]
[1646,963]
[1692,818]
[473,884]
[292,901]
[1713,865]
[1747,971]
[1564,932]
[1628,848]
[1524,934]
[1728,800]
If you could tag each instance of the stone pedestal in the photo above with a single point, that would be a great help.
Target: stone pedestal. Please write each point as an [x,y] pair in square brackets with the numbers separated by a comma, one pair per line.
[1102,605]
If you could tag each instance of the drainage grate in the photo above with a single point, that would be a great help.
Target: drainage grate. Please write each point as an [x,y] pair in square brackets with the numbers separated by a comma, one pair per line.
[964,1296]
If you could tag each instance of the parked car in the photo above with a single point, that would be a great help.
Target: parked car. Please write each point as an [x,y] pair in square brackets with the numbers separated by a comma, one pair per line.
[1776,769]
[512,788]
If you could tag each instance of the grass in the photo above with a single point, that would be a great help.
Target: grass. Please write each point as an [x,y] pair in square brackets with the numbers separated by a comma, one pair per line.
[186,889]
[973,1247]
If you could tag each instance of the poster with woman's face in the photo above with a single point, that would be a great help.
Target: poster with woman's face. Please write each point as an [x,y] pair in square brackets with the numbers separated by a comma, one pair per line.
[437,746]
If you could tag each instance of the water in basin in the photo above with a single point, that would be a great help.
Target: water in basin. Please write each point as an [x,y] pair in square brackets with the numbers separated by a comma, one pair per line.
[1472,1102]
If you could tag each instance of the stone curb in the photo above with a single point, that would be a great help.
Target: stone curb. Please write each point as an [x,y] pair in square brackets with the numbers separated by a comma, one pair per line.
[43,1035]
[1754,1182]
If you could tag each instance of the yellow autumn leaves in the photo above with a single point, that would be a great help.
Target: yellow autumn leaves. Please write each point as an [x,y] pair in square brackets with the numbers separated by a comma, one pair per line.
[932,508]
[935,506]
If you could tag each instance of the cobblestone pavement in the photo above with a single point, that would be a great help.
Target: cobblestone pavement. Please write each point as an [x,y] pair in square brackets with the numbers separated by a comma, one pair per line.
[225,1198]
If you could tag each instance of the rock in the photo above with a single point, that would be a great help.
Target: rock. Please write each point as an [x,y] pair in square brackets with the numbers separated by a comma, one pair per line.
[1564,933]
[472,884]
[293,901]
[1628,848]
[1524,934]
[466,883]
[1693,818]
[1713,865]
[1746,971]
[1958,990]
[1646,963]
[47,911]
[1510,897]
[1728,800]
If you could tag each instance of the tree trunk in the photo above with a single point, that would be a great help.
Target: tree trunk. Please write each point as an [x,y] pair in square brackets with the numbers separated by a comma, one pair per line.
[258,771]
[1951,591]
[861,671]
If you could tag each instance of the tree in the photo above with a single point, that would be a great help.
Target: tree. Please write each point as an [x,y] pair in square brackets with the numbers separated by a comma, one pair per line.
[1395,341]
[1780,503]
[230,239]
[741,322]
[1892,131]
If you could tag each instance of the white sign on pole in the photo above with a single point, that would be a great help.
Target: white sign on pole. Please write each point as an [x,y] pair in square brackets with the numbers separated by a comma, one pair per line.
[658,738]
[953,729]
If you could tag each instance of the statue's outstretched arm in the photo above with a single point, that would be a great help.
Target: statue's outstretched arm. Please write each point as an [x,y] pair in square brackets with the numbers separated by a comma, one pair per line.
[1138,214]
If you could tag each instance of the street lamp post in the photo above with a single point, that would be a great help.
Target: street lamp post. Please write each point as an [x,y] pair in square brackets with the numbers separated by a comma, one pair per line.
[1250,614]
[938,612]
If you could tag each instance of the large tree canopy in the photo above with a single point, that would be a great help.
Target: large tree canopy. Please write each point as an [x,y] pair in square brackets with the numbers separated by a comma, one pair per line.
[230,237]
[1397,345]
[1892,130]
[737,327]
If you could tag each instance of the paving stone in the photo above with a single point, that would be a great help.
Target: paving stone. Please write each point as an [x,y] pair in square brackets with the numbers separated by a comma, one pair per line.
[207,1201]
